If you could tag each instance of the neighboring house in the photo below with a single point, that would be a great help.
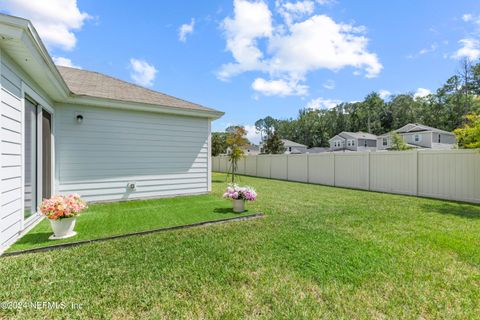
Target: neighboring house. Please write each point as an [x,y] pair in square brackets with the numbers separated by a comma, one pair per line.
[290,147]
[293,147]
[419,136]
[318,150]
[353,141]
[65,130]
[251,150]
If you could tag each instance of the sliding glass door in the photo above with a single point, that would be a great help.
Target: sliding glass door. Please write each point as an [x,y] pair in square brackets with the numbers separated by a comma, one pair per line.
[46,154]
[30,158]
[37,156]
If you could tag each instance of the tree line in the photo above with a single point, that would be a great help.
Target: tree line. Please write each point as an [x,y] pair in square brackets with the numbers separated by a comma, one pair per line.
[444,109]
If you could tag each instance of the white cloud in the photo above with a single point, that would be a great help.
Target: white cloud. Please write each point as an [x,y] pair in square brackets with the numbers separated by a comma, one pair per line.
[422,92]
[432,48]
[470,49]
[55,20]
[186,29]
[329,84]
[62,61]
[251,21]
[321,103]
[292,11]
[279,87]
[384,94]
[467,17]
[252,134]
[292,50]
[142,73]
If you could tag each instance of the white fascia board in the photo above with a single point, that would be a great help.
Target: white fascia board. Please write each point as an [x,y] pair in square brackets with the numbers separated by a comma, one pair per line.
[127,105]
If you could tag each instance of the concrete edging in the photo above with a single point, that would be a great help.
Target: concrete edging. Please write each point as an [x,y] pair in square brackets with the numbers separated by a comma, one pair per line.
[131,234]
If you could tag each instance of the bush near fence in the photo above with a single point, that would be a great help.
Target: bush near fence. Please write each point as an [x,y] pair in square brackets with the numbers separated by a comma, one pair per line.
[443,174]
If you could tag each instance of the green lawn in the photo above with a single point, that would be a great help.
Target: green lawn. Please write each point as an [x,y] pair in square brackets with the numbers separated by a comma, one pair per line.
[103,220]
[321,252]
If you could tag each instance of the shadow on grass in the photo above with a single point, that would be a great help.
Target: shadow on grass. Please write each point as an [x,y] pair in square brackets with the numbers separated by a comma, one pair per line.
[461,210]
[227,210]
[34,238]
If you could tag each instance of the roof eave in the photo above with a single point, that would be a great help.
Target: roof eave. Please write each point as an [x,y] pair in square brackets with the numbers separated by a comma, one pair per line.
[130,105]
[30,38]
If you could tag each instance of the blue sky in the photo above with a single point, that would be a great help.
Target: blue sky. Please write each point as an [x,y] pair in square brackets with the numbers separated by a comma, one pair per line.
[251,59]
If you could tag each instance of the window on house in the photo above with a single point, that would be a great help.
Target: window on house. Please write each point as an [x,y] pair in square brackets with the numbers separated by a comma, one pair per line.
[439,135]
[384,142]
[353,143]
[417,138]
[349,143]
[365,144]
[289,148]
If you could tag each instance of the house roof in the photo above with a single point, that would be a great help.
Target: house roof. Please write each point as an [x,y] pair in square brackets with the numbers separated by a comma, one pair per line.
[288,143]
[317,150]
[21,43]
[355,135]
[416,127]
[93,84]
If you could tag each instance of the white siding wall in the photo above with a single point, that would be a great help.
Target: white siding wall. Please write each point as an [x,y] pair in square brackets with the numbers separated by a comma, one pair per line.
[14,81]
[11,146]
[164,154]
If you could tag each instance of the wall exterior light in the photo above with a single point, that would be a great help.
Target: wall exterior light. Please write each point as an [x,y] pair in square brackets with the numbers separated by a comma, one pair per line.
[79,119]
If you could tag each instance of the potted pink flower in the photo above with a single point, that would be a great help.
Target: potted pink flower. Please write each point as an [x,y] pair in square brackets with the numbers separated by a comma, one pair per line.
[62,211]
[239,195]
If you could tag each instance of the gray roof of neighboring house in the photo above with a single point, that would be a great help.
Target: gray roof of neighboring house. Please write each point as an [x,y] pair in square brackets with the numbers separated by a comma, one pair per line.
[94,84]
[355,135]
[416,127]
[288,143]
[318,150]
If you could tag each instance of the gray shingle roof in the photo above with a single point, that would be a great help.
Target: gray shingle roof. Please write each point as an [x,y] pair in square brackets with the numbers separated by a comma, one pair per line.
[289,143]
[94,84]
[359,135]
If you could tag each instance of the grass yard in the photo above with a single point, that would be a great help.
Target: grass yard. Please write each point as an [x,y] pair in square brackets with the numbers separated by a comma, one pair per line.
[109,219]
[321,252]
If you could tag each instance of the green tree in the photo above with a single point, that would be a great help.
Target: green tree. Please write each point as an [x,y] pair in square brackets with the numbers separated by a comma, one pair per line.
[468,136]
[219,143]
[273,144]
[398,143]
[236,142]
[265,126]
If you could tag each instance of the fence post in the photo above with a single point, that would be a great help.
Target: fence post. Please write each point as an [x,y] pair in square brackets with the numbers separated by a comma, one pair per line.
[308,168]
[270,166]
[286,155]
[368,170]
[334,165]
[416,171]
[245,166]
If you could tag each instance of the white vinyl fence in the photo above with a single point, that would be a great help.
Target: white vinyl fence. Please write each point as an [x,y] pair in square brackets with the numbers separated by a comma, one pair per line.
[444,174]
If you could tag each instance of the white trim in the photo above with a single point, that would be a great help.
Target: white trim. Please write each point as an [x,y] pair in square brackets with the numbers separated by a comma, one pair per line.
[137,106]
[22,157]
[209,150]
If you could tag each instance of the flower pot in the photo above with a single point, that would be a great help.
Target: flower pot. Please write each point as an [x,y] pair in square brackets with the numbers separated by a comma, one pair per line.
[238,205]
[62,228]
